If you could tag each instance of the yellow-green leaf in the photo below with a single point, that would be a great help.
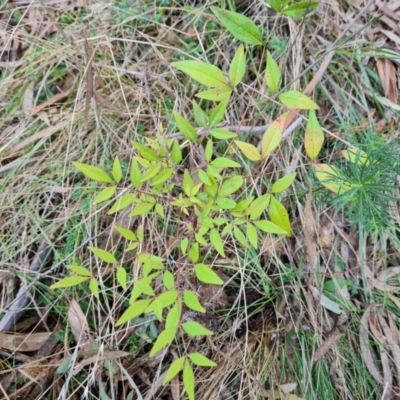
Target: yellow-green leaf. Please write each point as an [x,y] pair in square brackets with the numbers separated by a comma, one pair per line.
[168,280]
[194,253]
[151,172]
[69,281]
[174,315]
[103,255]
[223,162]
[279,216]
[94,173]
[282,184]
[125,233]
[248,150]
[193,328]
[216,241]
[145,152]
[330,177]
[94,287]
[204,177]
[216,94]
[105,194]
[162,176]
[199,115]
[133,311]
[207,74]
[185,127]
[124,201]
[188,380]
[225,203]
[122,277]
[252,235]
[218,113]
[355,155]
[117,170]
[238,66]
[188,183]
[141,209]
[191,301]
[273,135]
[206,275]
[176,153]
[314,136]
[222,134]
[272,74]
[174,369]
[201,361]
[258,206]
[164,339]
[231,186]
[239,235]
[239,26]
[136,174]
[297,100]
[77,269]
[269,227]
[208,151]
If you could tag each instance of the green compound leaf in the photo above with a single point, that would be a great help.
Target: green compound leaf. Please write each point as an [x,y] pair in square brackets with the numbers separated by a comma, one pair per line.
[69,282]
[283,183]
[297,100]
[117,170]
[201,361]
[238,67]
[188,380]
[216,241]
[77,269]
[185,127]
[231,186]
[145,152]
[105,194]
[199,115]
[191,301]
[94,287]
[239,26]
[314,136]
[272,74]
[269,227]
[164,339]
[279,216]
[193,328]
[141,209]
[222,134]
[94,173]
[223,162]
[125,233]
[174,369]
[248,150]
[206,275]
[104,255]
[122,277]
[133,311]
[124,201]
[206,74]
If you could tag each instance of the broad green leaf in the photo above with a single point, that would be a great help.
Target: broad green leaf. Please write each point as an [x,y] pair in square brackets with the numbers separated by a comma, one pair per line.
[216,94]
[174,369]
[238,234]
[208,151]
[242,205]
[239,26]
[94,173]
[122,277]
[168,280]
[269,227]
[334,285]
[206,275]
[279,216]
[145,152]
[140,232]
[133,311]
[258,206]
[104,255]
[273,135]
[216,241]
[160,210]
[330,177]
[77,269]
[194,253]
[282,184]
[207,74]
[222,134]
[188,183]
[162,176]
[314,137]
[136,174]
[272,74]
[132,246]
[176,153]
[164,339]
[297,100]
[188,381]
[201,361]
[276,5]
[248,150]
[199,115]
[252,235]
[125,233]
[237,68]
[167,298]
[193,328]
[174,316]
[355,155]
[184,245]
[204,177]
[185,127]
[151,172]
[69,281]
[105,194]
[222,162]
[298,10]
[141,209]
[94,287]
[124,201]
[231,186]
[117,170]
[213,172]
[191,301]
[225,203]
[217,115]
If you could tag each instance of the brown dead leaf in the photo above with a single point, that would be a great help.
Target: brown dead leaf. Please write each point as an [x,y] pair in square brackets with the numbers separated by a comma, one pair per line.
[23,343]
[107,355]
[56,98]
[325,347]
[387,75]
[77,319]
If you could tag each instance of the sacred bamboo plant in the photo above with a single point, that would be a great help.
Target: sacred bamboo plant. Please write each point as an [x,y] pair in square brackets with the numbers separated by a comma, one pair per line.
[211,207]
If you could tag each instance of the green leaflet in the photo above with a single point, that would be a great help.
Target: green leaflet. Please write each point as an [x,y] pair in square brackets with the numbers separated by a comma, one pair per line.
[238,67]
[103,255]
[94,173]
[105,194]
[298,101]
[272,74]
[206,275]
[279,216]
